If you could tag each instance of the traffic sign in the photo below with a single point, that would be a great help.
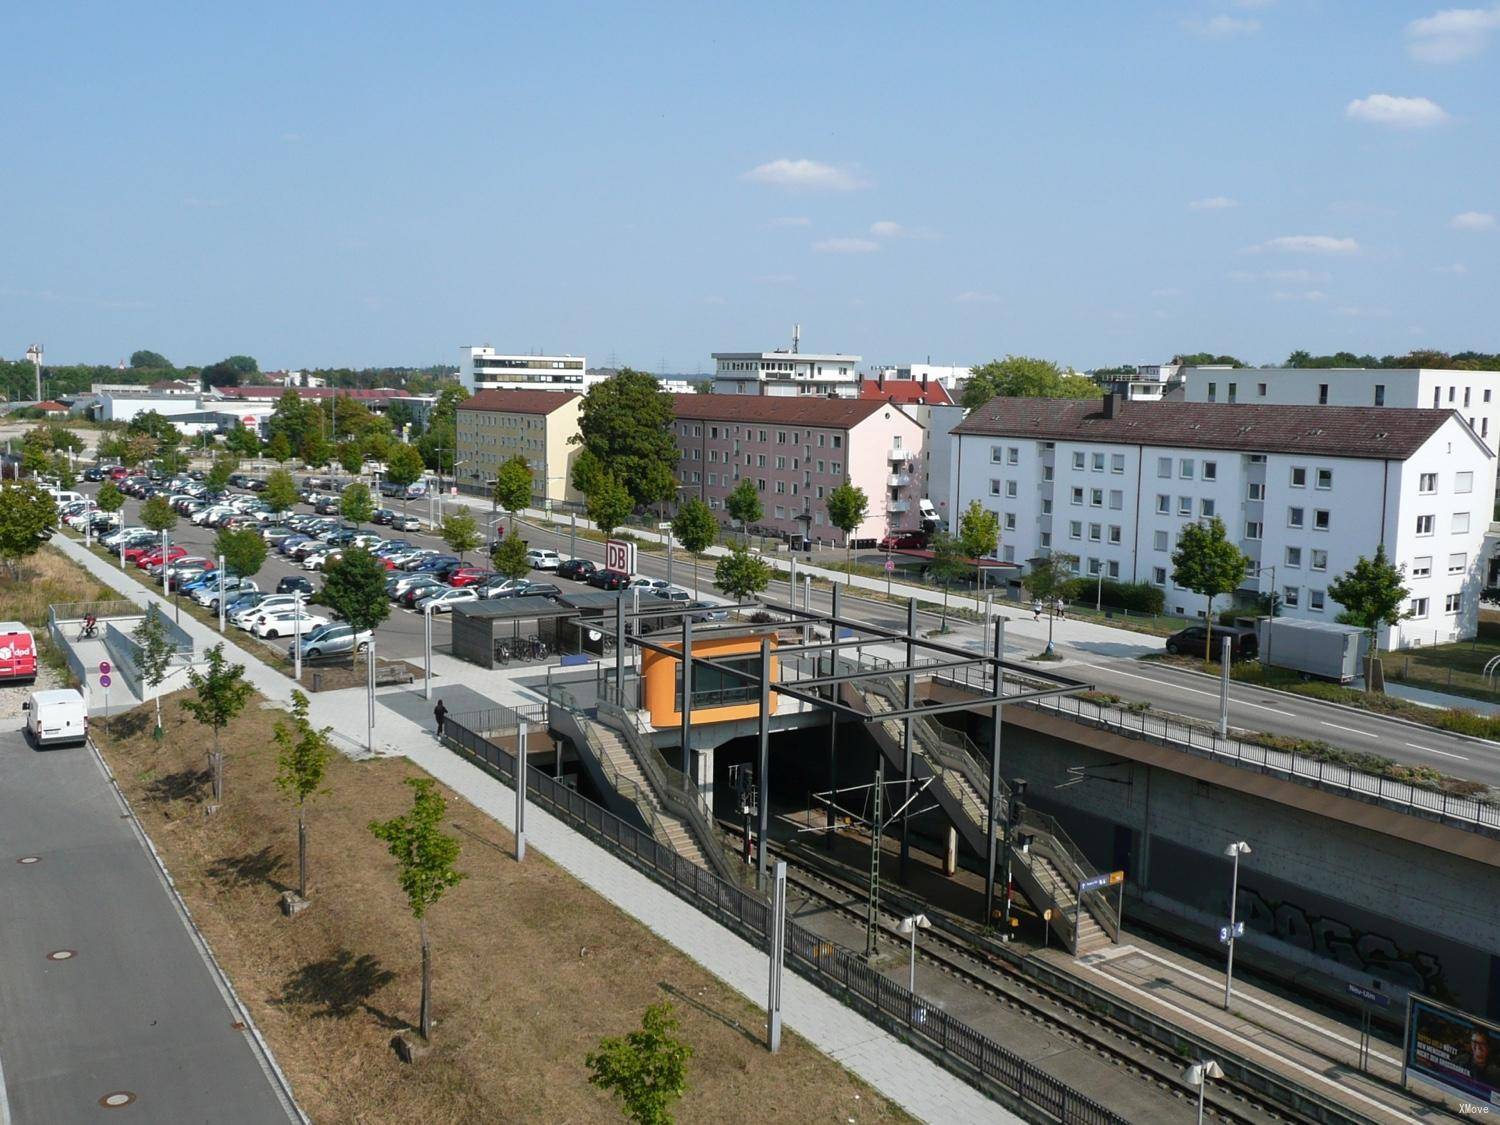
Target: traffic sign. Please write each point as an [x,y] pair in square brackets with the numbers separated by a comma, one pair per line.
[890,565]
[1116,878]
[1093,883]
[619,555]
[104,667]
[105,681]
[1368,995]
[1239,932]
[664,525]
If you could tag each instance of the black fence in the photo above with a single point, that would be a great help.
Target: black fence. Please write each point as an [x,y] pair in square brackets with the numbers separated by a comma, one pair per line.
[976,1058]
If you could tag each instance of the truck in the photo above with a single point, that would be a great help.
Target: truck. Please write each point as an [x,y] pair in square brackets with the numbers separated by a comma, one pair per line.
[17,653]
[56,718]
[1324,649]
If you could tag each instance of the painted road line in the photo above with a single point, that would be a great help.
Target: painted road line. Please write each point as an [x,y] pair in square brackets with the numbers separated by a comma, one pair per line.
[1182,687]
[1430,750]
[1348,730]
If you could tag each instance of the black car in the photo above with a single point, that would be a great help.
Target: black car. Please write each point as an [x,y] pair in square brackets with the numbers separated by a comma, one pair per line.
[576,569]
[93,472]
[542,590]
[255,484]
[294,583]
[382,516]
[609,579]
[1195,641]
[327,505]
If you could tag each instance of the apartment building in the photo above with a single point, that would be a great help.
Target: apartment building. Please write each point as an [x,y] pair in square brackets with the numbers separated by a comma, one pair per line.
[786,374]
[1303,490]
[481,367]
[797,451]
[494,426]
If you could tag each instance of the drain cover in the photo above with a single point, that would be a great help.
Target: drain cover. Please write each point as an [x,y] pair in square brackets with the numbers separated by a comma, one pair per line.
[30,859]
[117,1099]
[62,954]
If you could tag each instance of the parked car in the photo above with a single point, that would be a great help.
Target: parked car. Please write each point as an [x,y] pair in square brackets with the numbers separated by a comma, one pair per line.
[382,516]
[470,576]
[576,569]
[542,590]
[406,523]
[904,541]
[1195,641]
[57,717]
[416,592]
[437,564]
[335,639]
[540,558]
[267,603]
[147,559]
[281,623]
[707,611]
[609,579]
[398,583]
[318,560]
[444,600]
[501,587]
[671,594]
[93,473]
[293,583]
[206,593]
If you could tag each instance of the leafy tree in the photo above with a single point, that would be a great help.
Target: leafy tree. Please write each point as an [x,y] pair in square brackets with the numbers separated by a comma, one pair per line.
[158,514]
[609,504]
[1045,581]
[350,459]
[1019,376]
[1207,563]
[243,549]
[743,504]
[949,562]
[645,1069]
[60,438]
[847,506]
[35,458]
[62,469]
[290,419]
[109,498]
[246,442]
[153,655]
[461,532]
[626,422]
[281,491]
[424,857]
[314,449]
[218,476]
[1207,359]
[222,692]
[509,558]
[356,505]
[438,440]
[1373,593]
[155,424]
[229,372]
[741,575]
[279,448]
[404,467]
[302,757]
[978,535]
[513,487]
[696,527]
[354,588]
[399,415]
[149,361]
[586,471]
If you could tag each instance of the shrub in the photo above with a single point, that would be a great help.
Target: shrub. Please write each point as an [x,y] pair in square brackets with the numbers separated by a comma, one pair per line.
[1136,597]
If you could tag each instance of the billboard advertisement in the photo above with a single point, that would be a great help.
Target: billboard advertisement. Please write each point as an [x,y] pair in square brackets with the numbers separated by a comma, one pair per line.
[1453,1050]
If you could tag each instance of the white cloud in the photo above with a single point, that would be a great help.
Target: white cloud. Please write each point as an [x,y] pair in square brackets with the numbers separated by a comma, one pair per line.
[1458,269]
[1395,111]
[846,246]
[887,229]
[1213,203]
[1308,244]
[1452,34]
[804,175]
[1363,312]
[976,297]
[790,221]
[1473,220]
[1222,27]
[1166,292]
[1311,295]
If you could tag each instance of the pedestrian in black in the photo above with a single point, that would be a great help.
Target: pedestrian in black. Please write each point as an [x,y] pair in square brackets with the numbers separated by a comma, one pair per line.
[440,713]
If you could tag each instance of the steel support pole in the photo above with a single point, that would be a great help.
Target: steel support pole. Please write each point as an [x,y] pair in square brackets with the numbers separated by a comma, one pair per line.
[1234,894]
[687,697]
[221,595]
[572,535]
[1224,688]
[778,957]
[619,650]
[297,637]
[764,819]
[906,737]
[994,795]
[370,684]
[520,790]
[427,652]
[833,717]
[669,557]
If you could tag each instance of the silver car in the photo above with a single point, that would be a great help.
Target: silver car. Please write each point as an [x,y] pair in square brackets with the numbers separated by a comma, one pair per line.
[334,639]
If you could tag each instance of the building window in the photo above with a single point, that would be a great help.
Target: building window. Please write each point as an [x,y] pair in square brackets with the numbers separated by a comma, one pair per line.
[1320,519]
[1205,508]
[1463,482]
[1426,524]
[1421,566]
[1453,602]
[1010,489]
[1458,562]
[1117,462]
[1427,483]
[1075,530]
[1159,576]
[1163,505]
[1010,521]
[1419,608]
[1299,477]
[1260,389]
[1325,479]
[1096,498]
[1234,392]
[1210,470]
[1213,390]
[1460,523]
[997,454]
[1255,490]
[1319,560]
[1252,529]
[1047,472]
[1466,398]
[1098,463]
[1290,596]
[1315,600]
[1322,394]
[1185,469]
[1159,541]
[994,487]
[1116,499]
[1294,517]
[1046,539]
[1164,468]
[1077,496]
[1094,566]
[1046,506]
[1096,532]
[1078,459]
[1114,533]
[1184,505]
[1294,556]
[1379,394]
[1012,456]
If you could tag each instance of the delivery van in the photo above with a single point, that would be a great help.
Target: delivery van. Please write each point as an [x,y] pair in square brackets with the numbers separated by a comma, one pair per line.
[17,653]
[56,718]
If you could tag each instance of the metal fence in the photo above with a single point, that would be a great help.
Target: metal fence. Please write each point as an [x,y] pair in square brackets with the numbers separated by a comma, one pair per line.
[836,970]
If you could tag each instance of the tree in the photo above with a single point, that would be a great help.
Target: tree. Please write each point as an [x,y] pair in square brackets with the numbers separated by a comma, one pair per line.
[356,505]
[229,372]
[222,692]
[627,422]
[279,448]
[461,532]
[302,757]
[27,517]
[509,558]
[609,504]
[846,511]
[313,450]
[646,1069]
[404,467]
[696,527]
[978,535]
[244,550]
[949,561]
[741,575]
[218,476]
[36,458]
[1045,581]
[354,588]
[1207,563]
[62,469]
[149,361]
[153,655]
[281,491]
[1373,593]
[743,504]
[424,858]
[158,514]
[586,471]
[350,459]
[109,498]
[1019,376]
[513,487]
[246,442]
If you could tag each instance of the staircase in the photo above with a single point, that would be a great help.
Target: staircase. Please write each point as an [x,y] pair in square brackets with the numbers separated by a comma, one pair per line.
[1049,873]
[624,773]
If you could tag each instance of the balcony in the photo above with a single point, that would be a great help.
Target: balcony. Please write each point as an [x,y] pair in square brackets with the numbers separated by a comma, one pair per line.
[899,454]
[898,507]
[898,480]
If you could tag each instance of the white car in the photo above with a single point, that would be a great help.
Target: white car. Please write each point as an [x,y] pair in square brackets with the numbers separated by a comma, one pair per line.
[542,559]
[320,559]
[278,623]
[645,584]
[444,601]
[209,595]
[201,518]
[276,603]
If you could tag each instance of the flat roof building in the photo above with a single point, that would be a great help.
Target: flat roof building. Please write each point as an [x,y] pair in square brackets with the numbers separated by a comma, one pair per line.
[495,425]
[482,368]
[786,373]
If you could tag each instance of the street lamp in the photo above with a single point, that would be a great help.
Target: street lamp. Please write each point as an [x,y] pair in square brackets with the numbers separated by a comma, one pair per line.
[1198,1075]
[1228,933]
[909,926]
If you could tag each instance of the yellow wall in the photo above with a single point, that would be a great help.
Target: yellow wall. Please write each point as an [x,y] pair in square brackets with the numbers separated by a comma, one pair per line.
[659,673]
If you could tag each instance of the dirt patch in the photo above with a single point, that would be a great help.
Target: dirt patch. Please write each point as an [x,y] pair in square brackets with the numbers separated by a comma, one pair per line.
[531,968]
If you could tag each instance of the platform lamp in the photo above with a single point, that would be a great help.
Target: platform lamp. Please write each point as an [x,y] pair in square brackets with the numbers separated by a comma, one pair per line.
[1198,1074]
[909,926]
[1229,933]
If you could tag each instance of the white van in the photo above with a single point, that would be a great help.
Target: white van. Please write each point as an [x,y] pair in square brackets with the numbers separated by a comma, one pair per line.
[56,718]
[63,497]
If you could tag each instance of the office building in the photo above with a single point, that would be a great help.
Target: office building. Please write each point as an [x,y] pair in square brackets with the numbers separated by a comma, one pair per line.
[495,425]
[481,368]
[786,373]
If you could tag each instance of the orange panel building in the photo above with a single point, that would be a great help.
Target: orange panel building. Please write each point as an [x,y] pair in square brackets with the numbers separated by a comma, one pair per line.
[717,698]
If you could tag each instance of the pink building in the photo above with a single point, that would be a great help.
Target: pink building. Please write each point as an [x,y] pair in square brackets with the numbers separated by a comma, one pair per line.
[797,451]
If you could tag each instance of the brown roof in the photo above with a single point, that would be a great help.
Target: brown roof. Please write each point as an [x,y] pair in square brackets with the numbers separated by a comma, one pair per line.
[907,392]
[1375,432]
[518,402]
[790,410]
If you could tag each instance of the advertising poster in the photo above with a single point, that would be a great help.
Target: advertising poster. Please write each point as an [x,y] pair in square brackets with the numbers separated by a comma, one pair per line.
[1453,1050]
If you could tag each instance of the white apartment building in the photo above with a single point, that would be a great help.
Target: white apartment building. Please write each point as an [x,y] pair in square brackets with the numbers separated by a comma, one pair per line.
[482,368]
[951,376]
[1303,491]
[786,373]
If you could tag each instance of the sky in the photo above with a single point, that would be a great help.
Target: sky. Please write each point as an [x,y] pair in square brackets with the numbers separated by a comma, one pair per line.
[341,184]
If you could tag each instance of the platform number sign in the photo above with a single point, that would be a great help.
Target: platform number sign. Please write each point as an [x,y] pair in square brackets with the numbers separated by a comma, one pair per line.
[619,555]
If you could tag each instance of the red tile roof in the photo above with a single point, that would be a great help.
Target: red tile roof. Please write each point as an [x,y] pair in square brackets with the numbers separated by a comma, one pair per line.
[907,392]
[378,395]
[791,410]
[519,401]
[50,405]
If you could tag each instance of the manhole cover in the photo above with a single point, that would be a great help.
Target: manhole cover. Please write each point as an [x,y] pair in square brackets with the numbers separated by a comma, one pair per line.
[117,1099]
[62,954]
[30,859]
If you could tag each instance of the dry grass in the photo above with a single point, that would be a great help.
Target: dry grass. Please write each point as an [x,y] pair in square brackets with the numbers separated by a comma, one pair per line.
[531,968]
[47,578]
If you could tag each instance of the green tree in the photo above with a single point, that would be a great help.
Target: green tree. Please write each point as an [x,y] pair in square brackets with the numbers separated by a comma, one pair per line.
[1373,593]
[349,456]
[743,504]
[313,450]
[586,471]
[645,1069]
[846,511]
[36,458]
[627,422]
[221,694]
[218,476]
[303,752]
[697,529]
[354,588]
[243,550]
[279,448]
[741,575]
[1207,563]
[158,514]
[461,532]
[60,438]
[513,487]
[609,504]
[949,562]
[244,441]
[62,469]
[229,372]
[153,655]
[424,857]
[509,558]
[290,419]
[1019,376]
[1045,581]
[404,467]
[978,536]
[356,505]
[281,491]
[110,498]
[149,361]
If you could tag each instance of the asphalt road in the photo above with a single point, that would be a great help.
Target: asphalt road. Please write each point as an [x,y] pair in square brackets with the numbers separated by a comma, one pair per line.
[135,1009]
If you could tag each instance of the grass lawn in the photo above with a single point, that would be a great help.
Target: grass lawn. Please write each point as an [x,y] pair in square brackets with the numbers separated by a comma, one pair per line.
[47,578]
[1455,668]
[530,968]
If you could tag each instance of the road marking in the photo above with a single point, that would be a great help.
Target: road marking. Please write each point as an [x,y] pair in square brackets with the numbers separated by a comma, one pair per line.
[1181,687]
[1349,730]
[1430,750]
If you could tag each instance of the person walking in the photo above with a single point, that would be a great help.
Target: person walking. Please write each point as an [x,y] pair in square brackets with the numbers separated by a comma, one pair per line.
[440,713]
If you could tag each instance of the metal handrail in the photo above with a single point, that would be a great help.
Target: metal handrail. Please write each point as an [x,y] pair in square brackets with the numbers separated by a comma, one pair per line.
[623,785]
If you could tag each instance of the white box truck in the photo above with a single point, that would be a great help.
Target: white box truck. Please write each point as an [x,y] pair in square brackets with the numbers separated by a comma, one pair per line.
[56,718]
[1324,649]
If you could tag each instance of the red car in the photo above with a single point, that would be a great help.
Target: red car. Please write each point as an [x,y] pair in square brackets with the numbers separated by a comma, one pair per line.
[469,576]
[904,541]
[154,556]
[118,472]
[134,554]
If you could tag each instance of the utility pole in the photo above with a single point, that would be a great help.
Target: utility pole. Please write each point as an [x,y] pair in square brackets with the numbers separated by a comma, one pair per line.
[520,790]
[765,758]
[778,956]
[992,821]
[877,826]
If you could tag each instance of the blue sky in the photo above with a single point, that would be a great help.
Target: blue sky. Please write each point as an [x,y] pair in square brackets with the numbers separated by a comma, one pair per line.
[352,184]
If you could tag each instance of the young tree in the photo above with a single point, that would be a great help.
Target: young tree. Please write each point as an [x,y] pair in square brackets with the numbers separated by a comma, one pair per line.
[354,588]
[949,561]
[222,692]
[27,517]
[62,469]
[1046,581]
[696,527]
[627,423]
[158,514]
[404,467]
[218,475]
[1207,563]
[313,450]
[243,549]
[513,487]
[978,536]
[1373,593]
[461,532]
[154,654]
[509,558]
[846,511]
[35,458]
[743,504]
[281,491]
[741,575]
[424,858]
[246,442]
[350,459]
[646,1069]
[109,498]
[279,448]
[609,504]
[356,505]
[302,757]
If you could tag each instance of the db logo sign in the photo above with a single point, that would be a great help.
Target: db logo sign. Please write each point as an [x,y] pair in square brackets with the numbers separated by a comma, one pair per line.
[619,555]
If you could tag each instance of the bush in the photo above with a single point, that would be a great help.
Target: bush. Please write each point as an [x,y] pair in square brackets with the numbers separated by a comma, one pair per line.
[1136,597]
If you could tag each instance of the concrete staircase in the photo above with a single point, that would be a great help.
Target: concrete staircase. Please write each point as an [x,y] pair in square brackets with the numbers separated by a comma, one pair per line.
[619,764]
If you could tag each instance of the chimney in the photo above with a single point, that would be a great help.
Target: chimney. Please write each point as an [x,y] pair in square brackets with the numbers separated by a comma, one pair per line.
[1112,402]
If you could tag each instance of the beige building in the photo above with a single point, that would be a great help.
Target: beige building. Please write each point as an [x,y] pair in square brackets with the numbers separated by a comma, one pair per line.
[494,426]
